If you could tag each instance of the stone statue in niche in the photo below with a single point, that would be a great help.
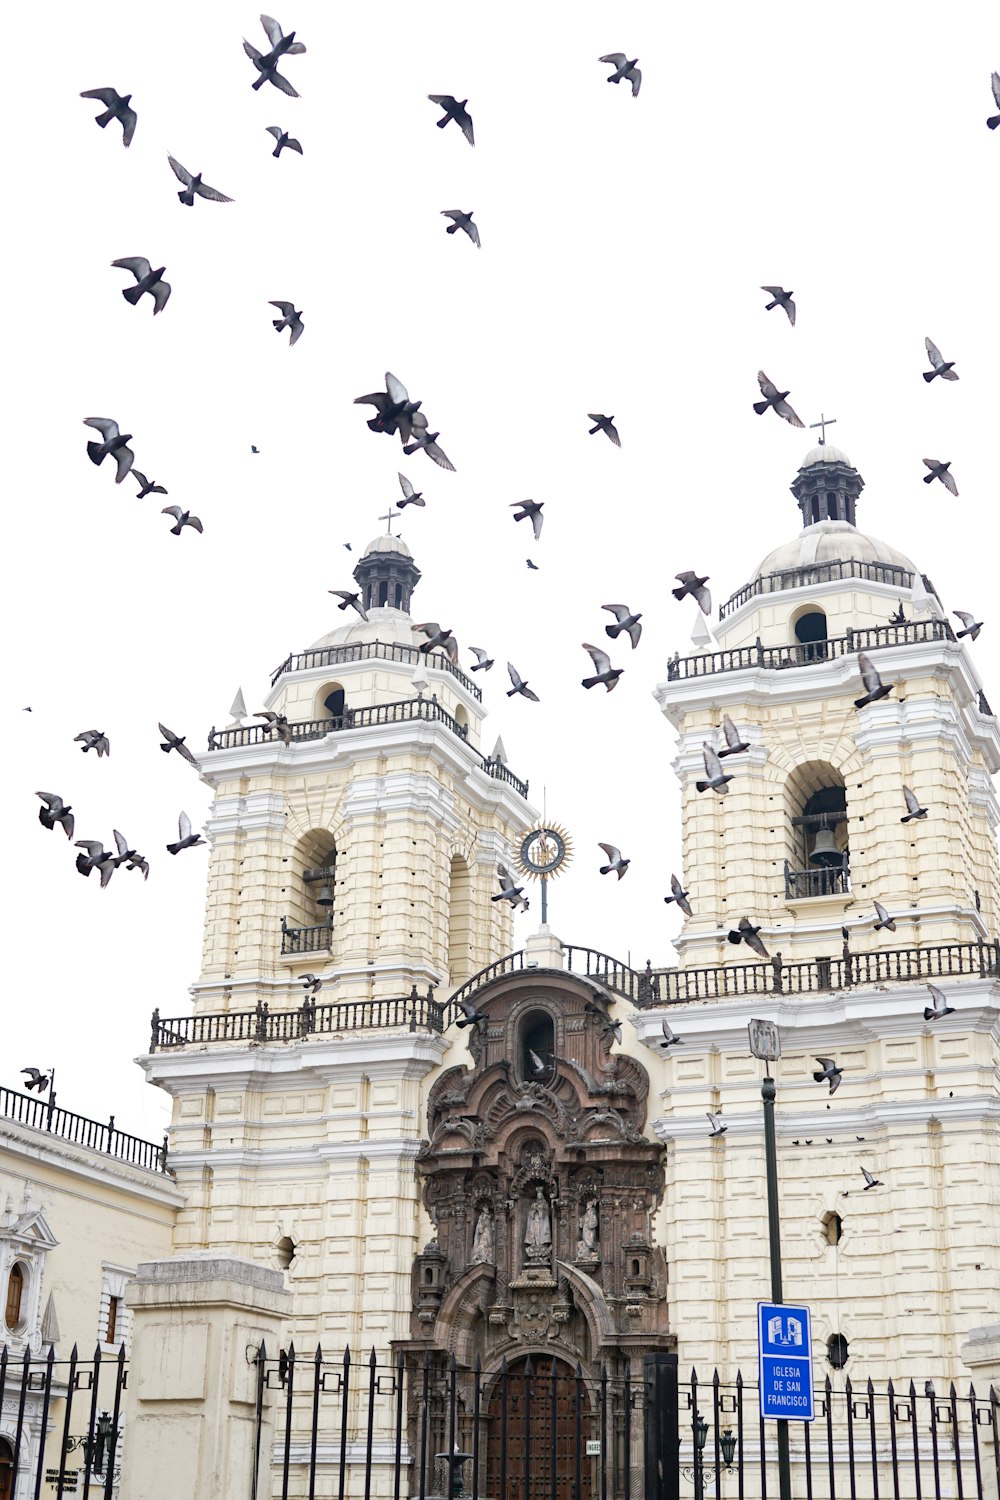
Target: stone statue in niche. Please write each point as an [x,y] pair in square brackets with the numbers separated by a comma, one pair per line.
[482,1241]
[538,1230]
[588,1244]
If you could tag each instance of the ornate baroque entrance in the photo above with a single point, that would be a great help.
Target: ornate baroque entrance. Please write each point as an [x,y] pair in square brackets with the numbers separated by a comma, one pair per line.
[546,1410]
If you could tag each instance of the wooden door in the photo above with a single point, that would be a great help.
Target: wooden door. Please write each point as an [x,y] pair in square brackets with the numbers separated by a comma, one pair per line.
[541,1430]
[6,1467]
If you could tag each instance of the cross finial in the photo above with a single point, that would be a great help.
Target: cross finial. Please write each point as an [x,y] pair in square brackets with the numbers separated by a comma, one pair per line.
[823,424]
[388,521]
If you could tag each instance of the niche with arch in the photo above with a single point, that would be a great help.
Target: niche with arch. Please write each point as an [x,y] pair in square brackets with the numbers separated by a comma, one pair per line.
[330,703]
[817,849]
[536,1034]
[811,635]
[14,1302]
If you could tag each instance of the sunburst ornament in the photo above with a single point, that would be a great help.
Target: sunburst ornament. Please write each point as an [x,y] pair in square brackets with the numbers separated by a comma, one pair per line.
[544,851]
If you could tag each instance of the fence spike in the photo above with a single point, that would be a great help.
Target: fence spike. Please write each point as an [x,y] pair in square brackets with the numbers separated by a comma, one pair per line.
[890,1389]
[848,1388]
[871,1388]
[478,1366]
[318,1356]
[579,1370]
[371,1358]
[951,1390]
[347,1356]
[827,1387]
[291,1351]
[739,1380]
[503,1366]
[427,1359]
[913,1391]
[972,1392]
[73,1353]
[715,1379]
[452,1363]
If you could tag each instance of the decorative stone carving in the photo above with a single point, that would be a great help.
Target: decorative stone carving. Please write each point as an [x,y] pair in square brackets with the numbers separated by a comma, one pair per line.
[538,1230]
[587,1245]
[482,1242]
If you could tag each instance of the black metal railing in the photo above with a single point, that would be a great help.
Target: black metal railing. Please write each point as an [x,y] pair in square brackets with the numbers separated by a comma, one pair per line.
[315,939]
[806,653]
[828,572]
[410,1012]
[80,1398]
[404,711]
[42,1114]
[816,882]
[335,656]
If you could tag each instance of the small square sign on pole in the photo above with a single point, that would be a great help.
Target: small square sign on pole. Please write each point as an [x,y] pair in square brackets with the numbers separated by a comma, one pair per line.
[784,1346]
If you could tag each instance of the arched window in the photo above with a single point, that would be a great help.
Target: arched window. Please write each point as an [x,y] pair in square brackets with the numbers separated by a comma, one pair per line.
[836,1350]
[814,506]
[462,720]
[15,1296]
[817,852]
[459,921]
[538,1036]
[397,598]
[383,591]
[330,703]
[831,507]
[810,631]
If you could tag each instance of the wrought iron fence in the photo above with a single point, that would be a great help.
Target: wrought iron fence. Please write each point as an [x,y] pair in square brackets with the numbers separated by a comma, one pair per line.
[65,1423]
[818,881]
[41,1114]
[410,1012]
[316,939]
[335,656]
[805,653]
[828,572]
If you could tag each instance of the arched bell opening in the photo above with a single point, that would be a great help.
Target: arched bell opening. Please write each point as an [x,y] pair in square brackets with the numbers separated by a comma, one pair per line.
[309,894]
[811,635]
[817,857]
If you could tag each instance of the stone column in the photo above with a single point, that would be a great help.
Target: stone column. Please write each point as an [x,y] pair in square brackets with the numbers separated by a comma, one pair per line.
[192,1390]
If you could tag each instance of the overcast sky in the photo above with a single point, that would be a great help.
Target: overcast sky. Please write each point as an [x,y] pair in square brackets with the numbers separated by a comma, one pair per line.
[839,152]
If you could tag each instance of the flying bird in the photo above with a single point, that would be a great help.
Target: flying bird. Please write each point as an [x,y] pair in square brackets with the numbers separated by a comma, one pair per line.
[147,280]
[940,470]
[972,625]
[94,739]
[530,511]
[483,660]
[36,1079]
[267,63]
[116,107]
[147,486]
[130,858]
[941,366]
[831,1074]
[520,685]
[182,518]
[254,448]
[427,441]
[532,565]
[56,811]
[96,857]
[350,601]
[680,895]
[115,442]
[715,1120]
[173,741]
[604,671]
[670,1038]
[747,933]
[715,778]
[186,839]
[940,1007]
[509,889]
[994,120]
[394,411]
[290,319]
[913,808]
[606,425]
[470,1015]
[734,745]
[538,1064]
[624,68]
[410,495]
[626,621]
[883,919]
[776,399]
[454,109]
[462,220]
[438,638]
[615,865]
[311,982]
[875,687]
[194,185]
[870,1181]
[781,298]
[285,141]
[695,586]
[276,724]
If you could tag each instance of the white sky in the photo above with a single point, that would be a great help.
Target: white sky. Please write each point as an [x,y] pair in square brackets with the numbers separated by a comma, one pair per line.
[839,152]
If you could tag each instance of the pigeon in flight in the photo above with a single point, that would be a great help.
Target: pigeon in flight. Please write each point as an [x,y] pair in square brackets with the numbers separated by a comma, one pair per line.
[147,486]
[715,1120]
[130,858]
[186,839]
[94,739]
[539,1066]
[278,724]
[940,1007]
[350,601]
[312,983]
[285,141]
[483,659]
[994,120]
[624,68]
[96,857]
[116,107]
[454,109]
[519,685]
[870,1181]
[780,298]
[883,919]
[776,399]
[939,470]
[875,687]
[36,1079]
[943,367]
[173,741]
[670,1038]
[267,63]
[680,895]
[290,319]
[615,865]
[462,220]
[422,439]
[603,669]
[972,625]
[747,933]
[532,565]
[470,1015]
[530,510]
[193,185]
[605,424]
[147,280]
[715,778]
[182,518]
[394,411]
[254,448]
[410,495]
[695,586]
[56,811]
[509,889]
[831,1074]
[438,638]
[913,808]
[114,442]
[734,745]
[626,621]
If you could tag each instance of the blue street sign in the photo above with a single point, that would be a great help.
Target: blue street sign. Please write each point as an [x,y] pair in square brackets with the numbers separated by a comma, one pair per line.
[785,1356]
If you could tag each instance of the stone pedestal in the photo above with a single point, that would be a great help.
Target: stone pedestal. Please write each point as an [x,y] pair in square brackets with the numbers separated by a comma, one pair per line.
[982,1355]
[543,950]
[192,1390]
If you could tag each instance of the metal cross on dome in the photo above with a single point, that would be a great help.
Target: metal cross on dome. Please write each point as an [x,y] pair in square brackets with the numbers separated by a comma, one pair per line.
[388,521]
[823,424]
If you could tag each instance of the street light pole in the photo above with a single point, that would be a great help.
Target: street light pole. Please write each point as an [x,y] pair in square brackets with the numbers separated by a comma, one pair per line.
[768,1091]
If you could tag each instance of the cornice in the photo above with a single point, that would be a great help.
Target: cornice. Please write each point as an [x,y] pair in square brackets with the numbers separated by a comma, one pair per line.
[76,1161]
[318,1061]
[349,1153]
[799,1124]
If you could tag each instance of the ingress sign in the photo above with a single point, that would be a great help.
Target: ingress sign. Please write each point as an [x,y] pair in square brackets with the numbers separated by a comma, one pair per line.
[786,1373]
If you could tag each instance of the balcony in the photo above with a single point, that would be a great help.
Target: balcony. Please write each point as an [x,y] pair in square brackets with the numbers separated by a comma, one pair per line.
[296,940]
[829,572]
[335,656]
[807,884]
[808,653]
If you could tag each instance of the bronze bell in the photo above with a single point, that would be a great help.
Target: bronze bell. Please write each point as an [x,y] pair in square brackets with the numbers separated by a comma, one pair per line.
[825,852]
[324,898]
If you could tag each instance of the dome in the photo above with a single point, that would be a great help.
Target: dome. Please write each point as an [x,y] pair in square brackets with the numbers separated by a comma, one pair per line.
[826,453]
[387,543]
[831,541]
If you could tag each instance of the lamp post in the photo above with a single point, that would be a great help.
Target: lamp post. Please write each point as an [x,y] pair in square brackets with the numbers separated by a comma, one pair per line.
[765,1045]
[697,1472]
